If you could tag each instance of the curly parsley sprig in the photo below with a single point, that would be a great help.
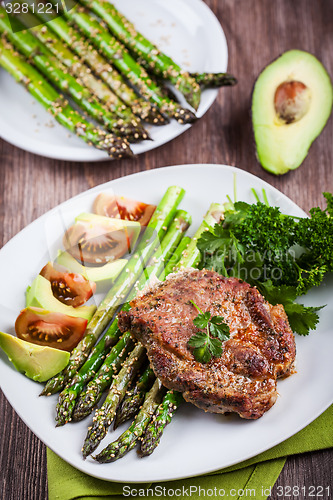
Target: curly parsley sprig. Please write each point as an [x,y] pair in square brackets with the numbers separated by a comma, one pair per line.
[208,343]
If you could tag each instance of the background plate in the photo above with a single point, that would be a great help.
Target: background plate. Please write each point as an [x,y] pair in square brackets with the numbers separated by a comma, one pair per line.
[187,30]
[195,442]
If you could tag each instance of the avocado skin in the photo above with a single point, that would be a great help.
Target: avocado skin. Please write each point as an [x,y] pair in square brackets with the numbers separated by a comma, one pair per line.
[40,295]
[37,362]
[282,147]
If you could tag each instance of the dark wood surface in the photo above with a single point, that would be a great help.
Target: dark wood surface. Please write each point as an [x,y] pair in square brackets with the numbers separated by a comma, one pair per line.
[257,32]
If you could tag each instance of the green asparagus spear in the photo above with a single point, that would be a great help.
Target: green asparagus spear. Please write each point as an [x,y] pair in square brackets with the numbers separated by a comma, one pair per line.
[130,437]
[123,61]
[89,398]
[160,420]
[134,398]
[176,256]
[132,128]
[89,366]
[68,396]
[104,416]
[102,68]
[47,64]
[111,366]
[55,104]
[149,55]
[214,80]
[191,256]
[154,232]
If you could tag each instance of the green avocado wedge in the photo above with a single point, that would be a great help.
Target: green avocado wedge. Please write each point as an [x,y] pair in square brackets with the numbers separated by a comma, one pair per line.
[103,275]
[40,294]
[37,362]
[291,103]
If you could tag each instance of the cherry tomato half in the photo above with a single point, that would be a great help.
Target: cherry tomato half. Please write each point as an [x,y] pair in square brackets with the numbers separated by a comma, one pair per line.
[123,208]
[46,328]
[92,243]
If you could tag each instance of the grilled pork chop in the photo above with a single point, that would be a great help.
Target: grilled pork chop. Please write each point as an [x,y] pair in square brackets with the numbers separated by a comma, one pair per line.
[261,347]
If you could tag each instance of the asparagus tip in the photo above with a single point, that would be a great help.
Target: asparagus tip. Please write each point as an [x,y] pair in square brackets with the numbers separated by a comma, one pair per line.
[184,116]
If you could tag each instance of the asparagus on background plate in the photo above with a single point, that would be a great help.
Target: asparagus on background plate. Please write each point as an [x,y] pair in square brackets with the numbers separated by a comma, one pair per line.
[80,56]
[55,103]
[54,70]
[129,125]
[150,57]
[99,65]
[123,61]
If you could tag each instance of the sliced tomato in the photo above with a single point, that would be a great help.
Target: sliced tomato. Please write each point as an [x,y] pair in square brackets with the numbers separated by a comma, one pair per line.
[46,328]
[95,244]
[123,208]
[71,289]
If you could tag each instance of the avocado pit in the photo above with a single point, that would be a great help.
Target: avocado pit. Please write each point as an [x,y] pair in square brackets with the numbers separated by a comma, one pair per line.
[292,101]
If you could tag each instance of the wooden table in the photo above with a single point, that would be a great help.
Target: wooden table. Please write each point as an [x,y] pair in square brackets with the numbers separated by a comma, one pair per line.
[257,32]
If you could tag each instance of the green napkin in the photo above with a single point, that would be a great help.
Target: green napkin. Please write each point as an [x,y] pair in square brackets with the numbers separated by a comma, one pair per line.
[255,476]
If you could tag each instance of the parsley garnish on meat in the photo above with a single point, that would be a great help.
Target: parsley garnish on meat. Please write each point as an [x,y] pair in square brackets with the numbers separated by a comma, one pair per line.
[284,256]
[208,343]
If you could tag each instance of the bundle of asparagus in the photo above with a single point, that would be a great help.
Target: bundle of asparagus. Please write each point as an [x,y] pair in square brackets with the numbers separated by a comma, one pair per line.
[94,56]
[158,406]
[57,105]
[118,364]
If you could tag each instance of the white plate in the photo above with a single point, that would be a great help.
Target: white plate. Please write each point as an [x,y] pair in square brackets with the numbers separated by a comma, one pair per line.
[195,442]
[187,30]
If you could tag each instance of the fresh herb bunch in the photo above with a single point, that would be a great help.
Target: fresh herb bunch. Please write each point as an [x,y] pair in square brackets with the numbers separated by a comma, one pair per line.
[284,256]
[208,343]
[315,236]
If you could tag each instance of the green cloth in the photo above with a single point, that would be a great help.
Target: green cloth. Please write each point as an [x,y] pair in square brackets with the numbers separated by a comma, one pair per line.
[257,474]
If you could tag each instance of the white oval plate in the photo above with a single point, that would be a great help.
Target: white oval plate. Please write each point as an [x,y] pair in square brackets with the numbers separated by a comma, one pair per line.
[195,442]
[187,30]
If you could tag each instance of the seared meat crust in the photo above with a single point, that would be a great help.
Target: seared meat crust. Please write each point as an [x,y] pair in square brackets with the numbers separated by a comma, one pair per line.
[261,347]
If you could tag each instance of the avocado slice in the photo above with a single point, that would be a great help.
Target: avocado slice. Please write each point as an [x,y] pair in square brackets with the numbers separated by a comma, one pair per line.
[40,294]
[291,103]
[37,362]
[103,275]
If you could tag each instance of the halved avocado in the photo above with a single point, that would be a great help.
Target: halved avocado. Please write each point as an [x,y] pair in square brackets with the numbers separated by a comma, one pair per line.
[39,294]
[291,103]
[36,362]
[103,275]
